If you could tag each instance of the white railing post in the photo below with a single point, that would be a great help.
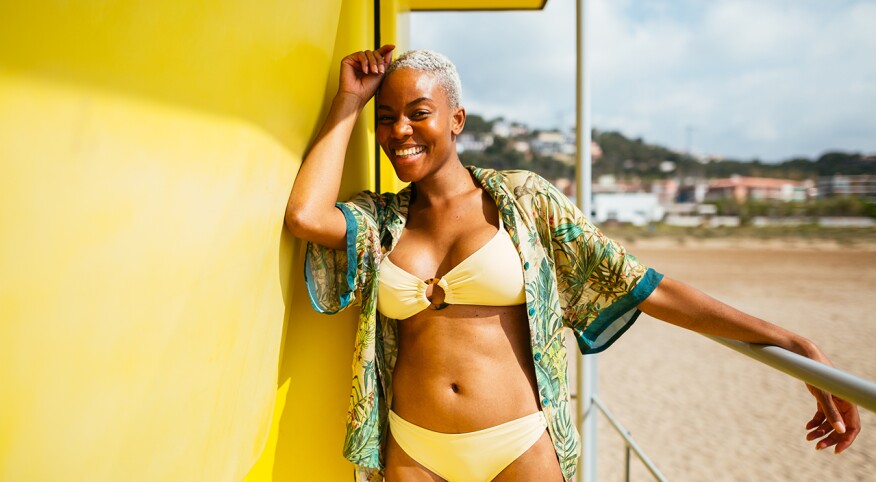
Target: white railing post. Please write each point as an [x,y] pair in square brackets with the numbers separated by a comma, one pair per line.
[587,366]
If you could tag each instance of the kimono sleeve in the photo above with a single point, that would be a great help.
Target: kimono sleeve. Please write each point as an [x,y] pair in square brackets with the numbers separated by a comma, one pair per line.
[335,278]
[599,284]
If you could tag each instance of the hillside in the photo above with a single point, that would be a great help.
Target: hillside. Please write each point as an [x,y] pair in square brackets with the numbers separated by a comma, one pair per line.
[627,158]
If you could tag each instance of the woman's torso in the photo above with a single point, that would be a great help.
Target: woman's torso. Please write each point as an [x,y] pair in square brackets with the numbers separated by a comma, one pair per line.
[464,367]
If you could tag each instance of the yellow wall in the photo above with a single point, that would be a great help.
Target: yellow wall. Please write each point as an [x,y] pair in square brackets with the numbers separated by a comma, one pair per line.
[147,150]
[153,319]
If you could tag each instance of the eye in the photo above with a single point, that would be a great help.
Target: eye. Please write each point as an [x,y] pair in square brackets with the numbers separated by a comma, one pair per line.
[385,119]
[419,114]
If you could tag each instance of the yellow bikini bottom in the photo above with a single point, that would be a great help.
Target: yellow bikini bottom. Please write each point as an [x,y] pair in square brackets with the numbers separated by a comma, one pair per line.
[468,457]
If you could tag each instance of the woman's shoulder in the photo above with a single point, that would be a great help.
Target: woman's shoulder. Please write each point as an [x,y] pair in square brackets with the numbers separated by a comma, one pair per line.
[511,178]
[380,198]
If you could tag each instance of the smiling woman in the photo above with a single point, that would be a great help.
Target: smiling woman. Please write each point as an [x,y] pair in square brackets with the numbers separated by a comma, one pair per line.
[466,280]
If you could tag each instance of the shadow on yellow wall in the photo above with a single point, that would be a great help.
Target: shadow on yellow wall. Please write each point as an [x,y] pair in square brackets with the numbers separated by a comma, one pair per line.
[148,150]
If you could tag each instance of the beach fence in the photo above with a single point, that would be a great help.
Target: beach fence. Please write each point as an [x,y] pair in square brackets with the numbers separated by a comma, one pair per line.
[849,387]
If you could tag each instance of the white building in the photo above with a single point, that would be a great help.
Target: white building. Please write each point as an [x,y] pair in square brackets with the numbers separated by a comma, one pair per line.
[638,208]
[473,142]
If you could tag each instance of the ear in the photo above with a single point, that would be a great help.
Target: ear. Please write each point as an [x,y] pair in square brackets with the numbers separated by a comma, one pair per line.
[457,121]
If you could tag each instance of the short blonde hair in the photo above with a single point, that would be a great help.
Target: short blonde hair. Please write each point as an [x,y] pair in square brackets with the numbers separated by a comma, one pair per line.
[434,64]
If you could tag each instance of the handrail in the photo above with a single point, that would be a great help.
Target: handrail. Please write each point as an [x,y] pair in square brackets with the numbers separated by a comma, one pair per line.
[628,440]
[842,384]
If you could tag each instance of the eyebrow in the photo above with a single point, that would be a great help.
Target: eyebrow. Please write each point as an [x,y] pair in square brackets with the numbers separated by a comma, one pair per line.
[416,101]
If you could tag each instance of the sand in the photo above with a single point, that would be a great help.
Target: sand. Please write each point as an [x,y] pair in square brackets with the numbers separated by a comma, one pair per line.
[703,412]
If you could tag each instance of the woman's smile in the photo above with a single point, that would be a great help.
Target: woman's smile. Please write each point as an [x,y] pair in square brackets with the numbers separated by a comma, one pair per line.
[409,151]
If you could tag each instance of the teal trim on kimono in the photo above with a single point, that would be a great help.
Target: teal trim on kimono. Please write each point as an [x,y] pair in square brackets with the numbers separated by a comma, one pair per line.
[617,318]
[352,261]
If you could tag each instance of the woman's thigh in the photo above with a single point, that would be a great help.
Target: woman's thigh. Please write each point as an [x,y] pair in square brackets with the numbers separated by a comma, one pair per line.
[538,463]
[400,467]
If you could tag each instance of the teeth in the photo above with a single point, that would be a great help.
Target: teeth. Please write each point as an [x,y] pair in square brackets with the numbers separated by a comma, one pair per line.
[409,151]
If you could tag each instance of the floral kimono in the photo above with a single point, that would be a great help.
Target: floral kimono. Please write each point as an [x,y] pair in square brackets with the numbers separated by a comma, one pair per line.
[574,277]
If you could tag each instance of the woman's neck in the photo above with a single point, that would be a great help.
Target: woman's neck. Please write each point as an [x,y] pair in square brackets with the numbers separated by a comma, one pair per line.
[444,185]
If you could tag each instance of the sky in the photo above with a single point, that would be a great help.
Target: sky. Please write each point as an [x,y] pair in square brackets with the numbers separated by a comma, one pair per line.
[740,79]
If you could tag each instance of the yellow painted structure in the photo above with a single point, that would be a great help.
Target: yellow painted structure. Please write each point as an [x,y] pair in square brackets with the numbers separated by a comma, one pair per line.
[423,5]
[153,320]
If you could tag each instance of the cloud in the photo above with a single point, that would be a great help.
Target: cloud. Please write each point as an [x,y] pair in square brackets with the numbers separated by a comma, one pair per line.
[768,79]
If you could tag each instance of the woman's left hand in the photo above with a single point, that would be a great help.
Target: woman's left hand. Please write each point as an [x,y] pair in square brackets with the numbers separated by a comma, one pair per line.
[835,419]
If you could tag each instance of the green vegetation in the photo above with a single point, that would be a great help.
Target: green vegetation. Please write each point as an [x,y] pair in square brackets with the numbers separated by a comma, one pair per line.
[627,158]
[625,233]
[475,124]
[840,206]
[502,155]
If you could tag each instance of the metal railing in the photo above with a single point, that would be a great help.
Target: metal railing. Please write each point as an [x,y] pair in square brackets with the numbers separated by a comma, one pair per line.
[842,384]
[629,443]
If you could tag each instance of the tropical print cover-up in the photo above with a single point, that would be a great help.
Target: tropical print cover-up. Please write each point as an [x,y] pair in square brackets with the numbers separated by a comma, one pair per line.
[574,277]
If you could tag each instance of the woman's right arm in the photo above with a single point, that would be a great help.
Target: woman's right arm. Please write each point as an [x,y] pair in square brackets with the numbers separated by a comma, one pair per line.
[310,213]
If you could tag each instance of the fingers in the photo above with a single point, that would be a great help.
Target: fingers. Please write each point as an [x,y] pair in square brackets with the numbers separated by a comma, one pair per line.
[828,441]
[841,440]
[817,420]
[820,431]
[363,61]
[840,431]
[386,52]
[361,72]
[374,61]
[831,413]
[371,68]
[842,446]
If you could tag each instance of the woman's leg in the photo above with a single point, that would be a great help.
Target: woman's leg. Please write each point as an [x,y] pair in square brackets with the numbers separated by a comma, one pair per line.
[400,467]
[538,463]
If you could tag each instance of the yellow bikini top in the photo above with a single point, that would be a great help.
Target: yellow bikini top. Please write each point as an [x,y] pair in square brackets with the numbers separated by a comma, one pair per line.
[491,276]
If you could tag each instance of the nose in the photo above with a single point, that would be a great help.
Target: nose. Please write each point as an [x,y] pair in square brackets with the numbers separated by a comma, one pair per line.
[402,128]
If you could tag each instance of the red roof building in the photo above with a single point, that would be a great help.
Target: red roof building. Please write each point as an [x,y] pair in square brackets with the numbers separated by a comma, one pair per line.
[754,188]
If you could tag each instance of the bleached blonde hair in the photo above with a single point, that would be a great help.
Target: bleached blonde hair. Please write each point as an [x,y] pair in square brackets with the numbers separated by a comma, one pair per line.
[434,64]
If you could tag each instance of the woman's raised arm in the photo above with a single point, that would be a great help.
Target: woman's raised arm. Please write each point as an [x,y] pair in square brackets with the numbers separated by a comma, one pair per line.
[310,212]
[836,420]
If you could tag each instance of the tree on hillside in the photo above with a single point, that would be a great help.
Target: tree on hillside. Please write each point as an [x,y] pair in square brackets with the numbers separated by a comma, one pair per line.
[831,163]
[476,124]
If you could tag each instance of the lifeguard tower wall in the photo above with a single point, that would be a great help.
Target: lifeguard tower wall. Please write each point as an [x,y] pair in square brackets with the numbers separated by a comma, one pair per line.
[153,320]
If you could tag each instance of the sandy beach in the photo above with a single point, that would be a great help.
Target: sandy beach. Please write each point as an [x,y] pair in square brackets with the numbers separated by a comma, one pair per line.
[701,411]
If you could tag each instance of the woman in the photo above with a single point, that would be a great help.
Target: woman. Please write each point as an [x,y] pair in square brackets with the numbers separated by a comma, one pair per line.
[466,279]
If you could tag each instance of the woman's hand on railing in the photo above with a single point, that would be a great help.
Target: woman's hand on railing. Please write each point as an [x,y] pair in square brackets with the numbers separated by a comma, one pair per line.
[673,301]
[835,419]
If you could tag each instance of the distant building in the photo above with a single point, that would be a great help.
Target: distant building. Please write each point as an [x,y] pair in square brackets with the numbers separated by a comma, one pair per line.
[607,183]
[502,129]
[755,188]
[863,186]
[637,208]
[665,190]
[509,129]
[473,142]
[551,143]
[566,186]
[595,151]
[692,191]
[561,146]
[694,215]
[521,146]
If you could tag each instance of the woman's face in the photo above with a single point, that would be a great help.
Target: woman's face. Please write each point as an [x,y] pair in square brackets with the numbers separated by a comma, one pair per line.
[416,126]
